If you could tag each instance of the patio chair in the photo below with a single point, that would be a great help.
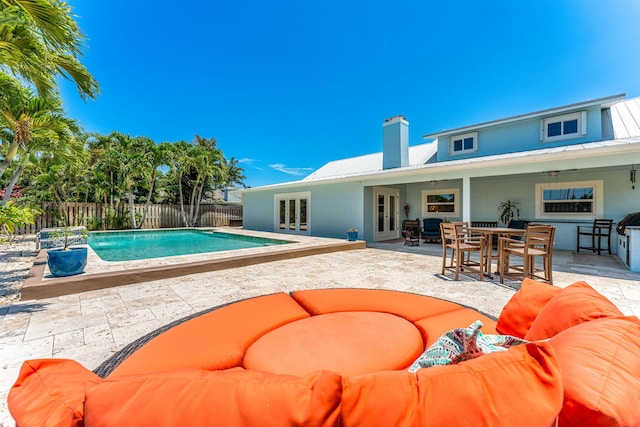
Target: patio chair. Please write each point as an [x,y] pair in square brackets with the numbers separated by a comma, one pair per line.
[410,239]
[538,243]
[457,238]
[431,229]
[600,229]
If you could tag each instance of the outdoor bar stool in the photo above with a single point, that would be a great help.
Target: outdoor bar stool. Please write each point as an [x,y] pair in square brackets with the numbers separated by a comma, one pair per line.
[600,228]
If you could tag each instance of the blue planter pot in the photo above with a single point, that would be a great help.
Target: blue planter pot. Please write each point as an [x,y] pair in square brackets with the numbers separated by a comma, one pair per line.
[352,236]
[66,263]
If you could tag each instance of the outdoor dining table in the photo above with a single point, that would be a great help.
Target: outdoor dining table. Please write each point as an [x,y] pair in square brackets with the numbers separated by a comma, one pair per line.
[488,233]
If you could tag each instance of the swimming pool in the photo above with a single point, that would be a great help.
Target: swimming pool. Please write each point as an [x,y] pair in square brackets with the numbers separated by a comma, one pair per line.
[145,244]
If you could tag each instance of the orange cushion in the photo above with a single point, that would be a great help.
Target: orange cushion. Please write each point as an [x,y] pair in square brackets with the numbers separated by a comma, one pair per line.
[226,398]
[433,327]
[575,304]
[498,389]
[410,306]
[49,392]
[524,306]
[350,343]
[216,340]
[600,366]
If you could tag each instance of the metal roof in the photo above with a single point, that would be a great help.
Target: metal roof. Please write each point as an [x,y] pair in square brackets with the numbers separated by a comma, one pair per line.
[370,163]
[620,133]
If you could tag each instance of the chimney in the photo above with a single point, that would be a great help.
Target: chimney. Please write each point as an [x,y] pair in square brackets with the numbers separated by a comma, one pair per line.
[395,142]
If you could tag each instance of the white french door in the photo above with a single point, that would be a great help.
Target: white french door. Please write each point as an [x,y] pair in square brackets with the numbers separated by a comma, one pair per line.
[292,212]
[386,213]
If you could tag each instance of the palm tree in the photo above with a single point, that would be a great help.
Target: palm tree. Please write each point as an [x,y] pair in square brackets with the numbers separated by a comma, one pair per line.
[197,167]
[40,41]
[30,125]
[234,173]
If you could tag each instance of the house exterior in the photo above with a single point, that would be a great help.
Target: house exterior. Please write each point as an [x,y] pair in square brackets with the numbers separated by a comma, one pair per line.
[564,166]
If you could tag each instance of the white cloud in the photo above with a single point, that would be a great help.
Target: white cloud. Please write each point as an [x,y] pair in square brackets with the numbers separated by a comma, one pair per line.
[291,171]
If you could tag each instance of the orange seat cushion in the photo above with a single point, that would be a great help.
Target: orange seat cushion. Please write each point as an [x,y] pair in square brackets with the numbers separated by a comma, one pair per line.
[573,305]
[224,398]
[216,340]
[349,343]
[600,366]
[524,306]
[410,306]
[433,327]
[521,386]
[50,392]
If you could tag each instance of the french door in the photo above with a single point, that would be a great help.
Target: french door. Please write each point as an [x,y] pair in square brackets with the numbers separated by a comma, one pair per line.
[386,213]
[292,212]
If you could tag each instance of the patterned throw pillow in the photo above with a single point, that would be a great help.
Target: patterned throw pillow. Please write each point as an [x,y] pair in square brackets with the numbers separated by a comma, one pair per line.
[463,344]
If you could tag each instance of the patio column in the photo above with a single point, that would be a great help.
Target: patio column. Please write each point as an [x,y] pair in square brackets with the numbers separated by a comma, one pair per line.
[466,199]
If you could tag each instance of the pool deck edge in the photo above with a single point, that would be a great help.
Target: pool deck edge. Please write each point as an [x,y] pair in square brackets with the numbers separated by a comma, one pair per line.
[36,287]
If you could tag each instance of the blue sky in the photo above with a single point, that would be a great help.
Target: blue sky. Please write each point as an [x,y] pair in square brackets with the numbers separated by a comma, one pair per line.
[286,86]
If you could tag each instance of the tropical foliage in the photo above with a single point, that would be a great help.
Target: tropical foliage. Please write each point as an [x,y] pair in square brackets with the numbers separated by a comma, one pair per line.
[49,156]
[12,216]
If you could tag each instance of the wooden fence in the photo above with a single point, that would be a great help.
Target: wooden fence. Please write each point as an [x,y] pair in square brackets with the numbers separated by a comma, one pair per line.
[158,216]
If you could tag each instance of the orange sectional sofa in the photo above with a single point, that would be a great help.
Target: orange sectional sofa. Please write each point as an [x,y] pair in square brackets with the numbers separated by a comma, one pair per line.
[339,357]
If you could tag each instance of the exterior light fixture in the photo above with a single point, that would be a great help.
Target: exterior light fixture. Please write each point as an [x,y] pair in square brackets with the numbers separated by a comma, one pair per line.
[632,177]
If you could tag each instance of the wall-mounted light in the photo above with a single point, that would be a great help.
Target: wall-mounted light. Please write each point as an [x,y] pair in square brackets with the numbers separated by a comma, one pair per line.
[632,177]
[433,182]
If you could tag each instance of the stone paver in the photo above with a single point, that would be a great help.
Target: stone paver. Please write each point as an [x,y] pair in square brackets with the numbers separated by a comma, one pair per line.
[91,326]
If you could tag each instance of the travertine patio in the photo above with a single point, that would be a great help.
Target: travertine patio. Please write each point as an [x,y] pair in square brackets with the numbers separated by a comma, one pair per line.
[89,327]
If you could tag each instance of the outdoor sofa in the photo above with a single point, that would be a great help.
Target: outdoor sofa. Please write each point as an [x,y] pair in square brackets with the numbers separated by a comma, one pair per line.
[339,357]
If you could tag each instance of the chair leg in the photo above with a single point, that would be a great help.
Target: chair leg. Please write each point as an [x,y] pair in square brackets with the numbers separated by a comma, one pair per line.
[444,258]
[459,259]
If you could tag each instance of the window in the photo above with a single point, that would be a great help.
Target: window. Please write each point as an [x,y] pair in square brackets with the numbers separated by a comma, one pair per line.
[563,127]
[465,143]
[569,200]
[441,203]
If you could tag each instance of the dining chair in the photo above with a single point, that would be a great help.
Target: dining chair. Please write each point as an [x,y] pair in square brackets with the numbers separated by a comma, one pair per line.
[538,242]
[600,229]
[457,238]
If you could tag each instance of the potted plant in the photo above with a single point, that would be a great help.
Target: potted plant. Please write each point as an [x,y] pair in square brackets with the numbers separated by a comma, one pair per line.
[67,260]
[352,234]
[508,210]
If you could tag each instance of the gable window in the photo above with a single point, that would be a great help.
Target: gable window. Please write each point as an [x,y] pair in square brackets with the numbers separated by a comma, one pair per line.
[466,143]
[569,200]
[563,127]
[441,203]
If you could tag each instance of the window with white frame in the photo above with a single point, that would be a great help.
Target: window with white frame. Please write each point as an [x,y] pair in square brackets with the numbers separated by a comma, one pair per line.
[569,200]
[441,203]
[568,126]
[465,143]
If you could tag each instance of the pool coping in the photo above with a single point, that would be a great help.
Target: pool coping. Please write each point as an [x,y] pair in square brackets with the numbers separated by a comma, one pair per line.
[102,274]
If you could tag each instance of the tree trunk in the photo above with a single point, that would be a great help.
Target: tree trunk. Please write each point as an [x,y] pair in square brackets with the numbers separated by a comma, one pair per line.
[132,212]
[12,184]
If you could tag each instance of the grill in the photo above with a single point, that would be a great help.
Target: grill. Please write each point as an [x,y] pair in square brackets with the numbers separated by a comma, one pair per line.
[633,219]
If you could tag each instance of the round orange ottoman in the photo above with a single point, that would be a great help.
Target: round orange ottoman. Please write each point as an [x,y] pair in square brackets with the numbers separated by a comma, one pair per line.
[348,343]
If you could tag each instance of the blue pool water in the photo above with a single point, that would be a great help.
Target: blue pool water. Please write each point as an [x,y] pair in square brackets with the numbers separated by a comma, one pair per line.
[134,245]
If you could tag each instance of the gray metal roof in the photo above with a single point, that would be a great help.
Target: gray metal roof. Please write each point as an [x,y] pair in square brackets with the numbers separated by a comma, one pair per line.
[370,163]
[620,133]
[621,120]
